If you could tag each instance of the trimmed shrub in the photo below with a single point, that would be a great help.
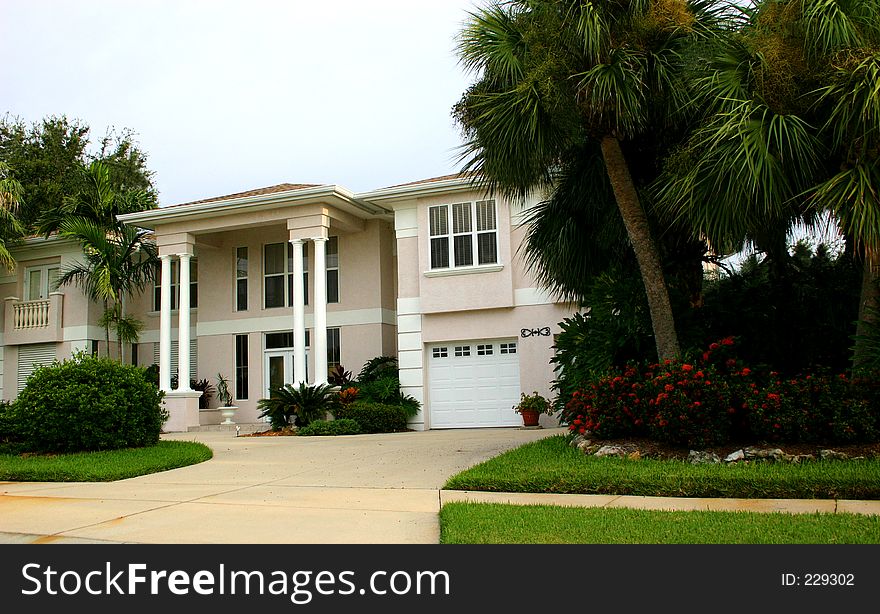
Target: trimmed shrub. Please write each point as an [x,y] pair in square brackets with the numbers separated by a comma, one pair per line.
[345,426]
[7,424]
[88,403]
[374,417]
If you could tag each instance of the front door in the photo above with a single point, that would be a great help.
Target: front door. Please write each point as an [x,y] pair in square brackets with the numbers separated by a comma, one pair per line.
[279,369]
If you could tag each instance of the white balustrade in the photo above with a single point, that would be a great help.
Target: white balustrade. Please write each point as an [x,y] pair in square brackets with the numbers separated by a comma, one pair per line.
[31,314]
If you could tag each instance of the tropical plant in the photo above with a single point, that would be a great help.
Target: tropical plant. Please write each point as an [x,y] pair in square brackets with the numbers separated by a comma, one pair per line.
[788,104]
[533,402]
[223,394]
[376,368]
[207,390]
[120,260]
[11,230]
[338,376]
[303,403]
[563,84]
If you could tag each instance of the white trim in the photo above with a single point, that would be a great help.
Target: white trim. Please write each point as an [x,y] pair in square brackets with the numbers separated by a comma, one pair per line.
[409,324]
[409,341]
[457,184]
[409,306]
[406,222]
[88,333]
[523,297]
[410,359]
[335,319]
[152,336]
[412,378]
[466,270]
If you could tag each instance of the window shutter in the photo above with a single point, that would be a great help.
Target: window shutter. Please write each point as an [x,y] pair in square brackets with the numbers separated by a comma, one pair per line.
[193,357]
[32,356]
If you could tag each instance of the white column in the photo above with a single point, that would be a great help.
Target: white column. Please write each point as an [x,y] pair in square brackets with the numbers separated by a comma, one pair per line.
[299,316]
[165,326]
[183,326]
[319,342]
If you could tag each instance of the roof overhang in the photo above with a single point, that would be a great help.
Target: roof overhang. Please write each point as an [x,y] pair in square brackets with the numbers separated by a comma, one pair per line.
[387,196]
[332,195]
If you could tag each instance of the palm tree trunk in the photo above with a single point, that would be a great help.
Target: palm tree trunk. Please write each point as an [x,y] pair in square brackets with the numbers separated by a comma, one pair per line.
[647,254]
[120,309]
[107,328]
[869,303]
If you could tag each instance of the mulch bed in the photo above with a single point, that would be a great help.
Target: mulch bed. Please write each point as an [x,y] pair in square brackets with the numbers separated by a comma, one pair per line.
[286,431]
[648,448]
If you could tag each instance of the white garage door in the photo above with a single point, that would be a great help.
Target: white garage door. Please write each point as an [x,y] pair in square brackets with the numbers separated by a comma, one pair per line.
[474,383]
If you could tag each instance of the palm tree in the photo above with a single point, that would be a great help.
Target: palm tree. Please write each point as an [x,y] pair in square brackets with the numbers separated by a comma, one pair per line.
[120,260]
[11,230]
[790,129]
[560,80]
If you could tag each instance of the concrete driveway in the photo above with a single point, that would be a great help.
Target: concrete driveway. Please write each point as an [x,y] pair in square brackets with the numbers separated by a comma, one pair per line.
[362,489]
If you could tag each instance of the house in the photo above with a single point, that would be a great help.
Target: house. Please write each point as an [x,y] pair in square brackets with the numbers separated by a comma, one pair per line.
[259,286]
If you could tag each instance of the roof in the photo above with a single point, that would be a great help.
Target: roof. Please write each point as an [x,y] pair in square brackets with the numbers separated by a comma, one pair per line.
[274,189]
[433,180]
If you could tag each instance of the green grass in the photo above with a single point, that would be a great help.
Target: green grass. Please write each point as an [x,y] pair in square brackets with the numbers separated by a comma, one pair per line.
[104,466]
[491,523]
[550,465]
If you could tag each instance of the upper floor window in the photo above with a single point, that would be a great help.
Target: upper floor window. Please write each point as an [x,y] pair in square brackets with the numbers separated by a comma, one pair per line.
[241,279]
[175,286]
[463,234]
[278,275]
[39,281]
[333,270]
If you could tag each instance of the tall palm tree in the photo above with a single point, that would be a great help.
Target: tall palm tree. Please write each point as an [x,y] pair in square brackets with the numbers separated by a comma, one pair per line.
[10,228]
[120,260]
[790,103]
[562,79]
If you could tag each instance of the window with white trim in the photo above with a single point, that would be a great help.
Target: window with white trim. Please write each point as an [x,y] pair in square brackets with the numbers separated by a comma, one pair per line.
[485,350]
[278,275]
[462,351]
[334,348]
[333,270]
[175,286]
[39,281]
[241,367]
[440,352]
[241,279]
[463,234]
[508,348]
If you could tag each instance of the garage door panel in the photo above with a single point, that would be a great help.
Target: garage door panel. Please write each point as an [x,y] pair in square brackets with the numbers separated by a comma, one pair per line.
[474,385]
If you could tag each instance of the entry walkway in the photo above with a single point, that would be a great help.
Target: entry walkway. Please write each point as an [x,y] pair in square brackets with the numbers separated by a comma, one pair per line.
[363,489]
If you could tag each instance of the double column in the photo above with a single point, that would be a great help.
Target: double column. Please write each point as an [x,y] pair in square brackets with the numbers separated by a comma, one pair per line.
[183,333]
[319,338]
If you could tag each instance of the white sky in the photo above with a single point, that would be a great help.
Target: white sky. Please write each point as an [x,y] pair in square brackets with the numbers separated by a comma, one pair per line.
[230,96]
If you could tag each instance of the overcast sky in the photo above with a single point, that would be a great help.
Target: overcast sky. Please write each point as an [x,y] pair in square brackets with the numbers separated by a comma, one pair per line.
[229,96]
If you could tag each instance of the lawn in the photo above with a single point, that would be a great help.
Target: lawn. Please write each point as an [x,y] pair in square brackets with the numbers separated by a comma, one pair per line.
[489,523]
[104,466]
[551,466]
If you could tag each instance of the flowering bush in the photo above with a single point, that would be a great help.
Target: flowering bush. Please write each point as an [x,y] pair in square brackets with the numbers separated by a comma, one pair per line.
[691,407]
[716,398]
[533,402]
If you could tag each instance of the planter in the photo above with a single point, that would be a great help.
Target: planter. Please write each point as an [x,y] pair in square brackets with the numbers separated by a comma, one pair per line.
[530,418]
[228,412]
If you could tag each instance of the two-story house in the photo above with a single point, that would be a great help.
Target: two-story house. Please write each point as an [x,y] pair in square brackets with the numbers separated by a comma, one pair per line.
[280,284]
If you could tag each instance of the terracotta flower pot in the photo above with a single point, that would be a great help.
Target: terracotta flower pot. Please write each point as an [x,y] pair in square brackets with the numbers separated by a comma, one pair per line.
[530,418]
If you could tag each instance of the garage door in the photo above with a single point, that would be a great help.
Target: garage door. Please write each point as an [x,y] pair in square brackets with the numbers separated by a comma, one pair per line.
[474,383]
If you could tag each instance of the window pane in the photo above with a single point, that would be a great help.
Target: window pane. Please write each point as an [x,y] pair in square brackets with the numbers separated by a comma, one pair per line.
[333,347]
[276,341]
[241,366]
[157,298]
[440,253]
[487,248]
[241,297]
[486,215]
[275,291]
[193,270]
[54,273]
[193,296]
[34,285]
[274,260]
[241,262]
[438,219]
[333,286]
[333,253]
[464,250]
[461,218]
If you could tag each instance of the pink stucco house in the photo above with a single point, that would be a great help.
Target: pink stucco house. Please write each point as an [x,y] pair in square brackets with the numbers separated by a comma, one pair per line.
[276,285]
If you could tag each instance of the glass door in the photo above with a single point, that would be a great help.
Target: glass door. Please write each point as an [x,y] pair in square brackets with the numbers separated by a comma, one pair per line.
[279,369]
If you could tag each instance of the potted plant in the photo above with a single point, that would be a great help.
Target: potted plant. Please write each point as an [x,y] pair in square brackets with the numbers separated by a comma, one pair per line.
[227,409]
[531,407]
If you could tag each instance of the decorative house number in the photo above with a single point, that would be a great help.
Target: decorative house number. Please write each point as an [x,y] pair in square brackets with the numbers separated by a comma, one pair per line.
[536,332]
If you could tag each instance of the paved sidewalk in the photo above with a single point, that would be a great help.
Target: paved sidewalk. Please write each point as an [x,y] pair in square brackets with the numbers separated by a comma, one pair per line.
[363,489]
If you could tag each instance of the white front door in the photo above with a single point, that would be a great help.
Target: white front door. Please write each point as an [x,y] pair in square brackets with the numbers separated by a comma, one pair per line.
[278,369]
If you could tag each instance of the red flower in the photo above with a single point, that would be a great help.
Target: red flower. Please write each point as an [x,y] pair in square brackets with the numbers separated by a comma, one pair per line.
[727,341]
[746,371]
[686,367]
[714,346]
[705,356]
[668,387]
[699,374]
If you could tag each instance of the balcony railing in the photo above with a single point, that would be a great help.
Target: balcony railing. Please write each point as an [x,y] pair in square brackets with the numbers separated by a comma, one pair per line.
[34,321]
[30,314]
